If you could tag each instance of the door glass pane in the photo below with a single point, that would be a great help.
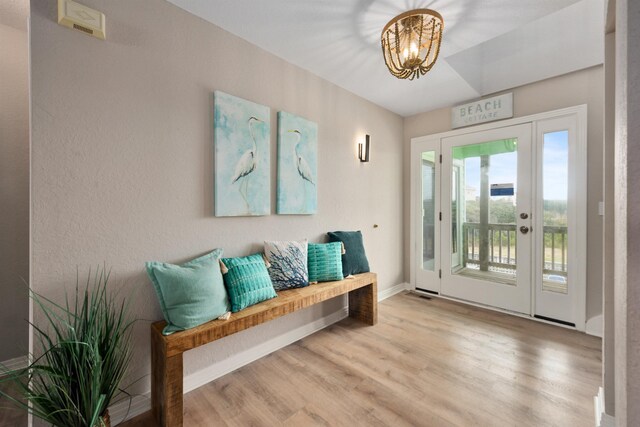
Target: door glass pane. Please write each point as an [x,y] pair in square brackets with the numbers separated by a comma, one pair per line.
[428,209]
[483,210]
[555,188]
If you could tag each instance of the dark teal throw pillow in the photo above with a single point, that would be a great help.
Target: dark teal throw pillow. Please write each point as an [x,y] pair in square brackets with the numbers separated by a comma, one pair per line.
[325,261]
[190,294]
[354,260]
[247,281]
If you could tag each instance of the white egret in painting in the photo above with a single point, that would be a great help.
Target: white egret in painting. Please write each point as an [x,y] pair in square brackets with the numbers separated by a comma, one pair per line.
[301,164]
[247,163]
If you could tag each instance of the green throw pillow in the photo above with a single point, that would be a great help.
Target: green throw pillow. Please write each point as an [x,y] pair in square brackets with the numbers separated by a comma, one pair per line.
[354,260]
[190,294]
[247,281]
[325,261]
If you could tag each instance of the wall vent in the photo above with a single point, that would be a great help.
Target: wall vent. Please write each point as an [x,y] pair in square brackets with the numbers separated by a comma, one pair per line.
[82,18]
[81,28]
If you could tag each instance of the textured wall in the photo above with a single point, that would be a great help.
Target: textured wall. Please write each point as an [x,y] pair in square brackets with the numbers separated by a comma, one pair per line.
[581,87]
[627,214]
[608,282]
[14,183]
[122,157]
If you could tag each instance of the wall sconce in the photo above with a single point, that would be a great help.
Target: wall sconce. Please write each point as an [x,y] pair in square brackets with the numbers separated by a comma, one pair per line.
[363,150]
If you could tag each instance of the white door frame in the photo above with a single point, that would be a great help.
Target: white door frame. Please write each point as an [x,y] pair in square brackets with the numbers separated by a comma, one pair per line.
[578,258]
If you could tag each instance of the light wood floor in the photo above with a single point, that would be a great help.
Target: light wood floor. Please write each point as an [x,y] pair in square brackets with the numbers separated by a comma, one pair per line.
[427,363]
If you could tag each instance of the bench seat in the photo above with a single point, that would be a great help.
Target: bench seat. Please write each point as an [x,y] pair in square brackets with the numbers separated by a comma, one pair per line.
[166,351]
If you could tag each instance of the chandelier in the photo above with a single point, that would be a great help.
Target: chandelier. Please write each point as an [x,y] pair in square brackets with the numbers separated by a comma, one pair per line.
[411,42]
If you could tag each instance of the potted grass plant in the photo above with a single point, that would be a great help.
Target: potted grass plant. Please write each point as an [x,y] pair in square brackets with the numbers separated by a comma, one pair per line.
[83,351]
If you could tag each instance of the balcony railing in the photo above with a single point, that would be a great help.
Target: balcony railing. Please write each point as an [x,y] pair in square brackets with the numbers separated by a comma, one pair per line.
[501,250]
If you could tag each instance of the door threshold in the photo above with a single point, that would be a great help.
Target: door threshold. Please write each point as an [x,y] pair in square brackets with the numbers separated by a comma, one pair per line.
[550,319]
[535,318]
[427,291]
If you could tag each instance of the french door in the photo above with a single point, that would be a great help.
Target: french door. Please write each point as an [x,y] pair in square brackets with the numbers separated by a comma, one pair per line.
[426,167]
[498,215]
[486,200]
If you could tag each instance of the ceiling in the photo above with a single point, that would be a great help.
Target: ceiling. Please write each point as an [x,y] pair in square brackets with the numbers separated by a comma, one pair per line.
[488,45]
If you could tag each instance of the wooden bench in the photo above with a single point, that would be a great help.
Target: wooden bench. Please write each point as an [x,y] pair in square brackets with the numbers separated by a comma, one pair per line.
[166,351]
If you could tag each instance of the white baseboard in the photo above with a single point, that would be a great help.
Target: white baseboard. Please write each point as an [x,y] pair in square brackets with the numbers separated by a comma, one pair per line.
[142,403]
[389,292]
[595,326]
[598,406]
[602,418]
[19,362]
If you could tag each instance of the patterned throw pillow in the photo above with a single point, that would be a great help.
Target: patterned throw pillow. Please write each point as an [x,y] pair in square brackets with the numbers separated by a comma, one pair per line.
[190,294]
[354,260]
[247,281]
[288,261]
[325,262]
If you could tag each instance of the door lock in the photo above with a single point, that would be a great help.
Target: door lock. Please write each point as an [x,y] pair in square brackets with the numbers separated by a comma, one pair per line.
[524,215]
[524,229]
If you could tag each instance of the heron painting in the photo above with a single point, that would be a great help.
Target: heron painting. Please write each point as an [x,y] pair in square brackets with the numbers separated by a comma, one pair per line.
[242,171]
[297,165]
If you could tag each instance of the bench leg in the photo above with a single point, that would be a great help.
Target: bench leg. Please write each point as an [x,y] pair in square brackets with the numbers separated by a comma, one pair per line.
[363,304]
[166,384]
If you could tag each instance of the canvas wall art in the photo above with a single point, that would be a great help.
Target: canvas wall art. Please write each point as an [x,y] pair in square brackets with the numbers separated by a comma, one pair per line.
[242,168]
[297,165]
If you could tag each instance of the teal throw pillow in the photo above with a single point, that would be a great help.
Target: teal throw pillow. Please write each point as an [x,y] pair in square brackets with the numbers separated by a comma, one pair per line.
[354,260]
[190,294]
[247,281]
[325,261]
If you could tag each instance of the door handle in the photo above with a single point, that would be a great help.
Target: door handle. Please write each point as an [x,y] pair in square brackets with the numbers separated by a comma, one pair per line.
[524,229]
